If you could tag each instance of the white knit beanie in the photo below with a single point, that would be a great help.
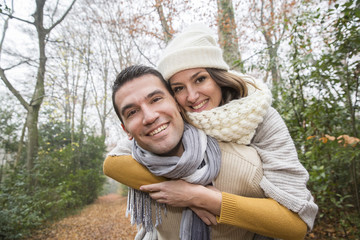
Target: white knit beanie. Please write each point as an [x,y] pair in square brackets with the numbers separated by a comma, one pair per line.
[193,48]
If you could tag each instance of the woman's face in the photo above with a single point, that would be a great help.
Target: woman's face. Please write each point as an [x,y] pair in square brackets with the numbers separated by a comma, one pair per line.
[195,90]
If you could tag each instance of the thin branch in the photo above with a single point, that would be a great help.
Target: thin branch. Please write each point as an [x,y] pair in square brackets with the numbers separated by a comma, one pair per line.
[3,35]
[20,19]
[13,90]
[142,54]
[18,64]
[6,25]
[62,18]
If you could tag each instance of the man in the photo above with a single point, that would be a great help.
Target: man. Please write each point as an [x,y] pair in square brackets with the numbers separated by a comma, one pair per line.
[151,117]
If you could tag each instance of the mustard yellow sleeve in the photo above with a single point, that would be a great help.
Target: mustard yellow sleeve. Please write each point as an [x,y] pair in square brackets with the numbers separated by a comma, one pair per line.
[264,216]
[128,171]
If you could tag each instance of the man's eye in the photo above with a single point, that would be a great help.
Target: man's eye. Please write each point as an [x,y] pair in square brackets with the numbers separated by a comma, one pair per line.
[177,89]
[156,99]
[131,113]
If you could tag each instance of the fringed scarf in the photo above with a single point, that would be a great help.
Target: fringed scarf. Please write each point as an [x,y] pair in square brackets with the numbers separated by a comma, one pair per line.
[199,164]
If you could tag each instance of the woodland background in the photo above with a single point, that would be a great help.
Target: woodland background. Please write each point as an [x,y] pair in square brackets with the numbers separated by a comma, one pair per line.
[58,60]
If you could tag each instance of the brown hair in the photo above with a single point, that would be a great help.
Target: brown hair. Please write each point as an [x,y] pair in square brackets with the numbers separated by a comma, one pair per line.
[232,86]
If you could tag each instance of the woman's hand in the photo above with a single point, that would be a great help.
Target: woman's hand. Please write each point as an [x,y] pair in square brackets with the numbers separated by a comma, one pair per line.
[176,193]
[179,193]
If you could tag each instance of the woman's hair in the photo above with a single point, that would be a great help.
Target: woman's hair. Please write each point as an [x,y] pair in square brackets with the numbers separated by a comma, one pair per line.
[232,86]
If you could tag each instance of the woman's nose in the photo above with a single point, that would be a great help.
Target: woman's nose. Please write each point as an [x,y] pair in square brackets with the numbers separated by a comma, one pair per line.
[193,95]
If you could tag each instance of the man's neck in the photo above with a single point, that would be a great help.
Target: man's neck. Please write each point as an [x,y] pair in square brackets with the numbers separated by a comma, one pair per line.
[177,151]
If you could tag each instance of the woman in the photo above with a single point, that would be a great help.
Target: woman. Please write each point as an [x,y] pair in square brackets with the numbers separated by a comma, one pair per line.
[200,80]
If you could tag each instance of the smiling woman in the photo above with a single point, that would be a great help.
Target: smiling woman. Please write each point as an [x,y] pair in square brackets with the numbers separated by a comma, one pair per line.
[195,90]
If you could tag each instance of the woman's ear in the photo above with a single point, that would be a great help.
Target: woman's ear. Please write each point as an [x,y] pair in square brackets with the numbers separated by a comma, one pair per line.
[129,135]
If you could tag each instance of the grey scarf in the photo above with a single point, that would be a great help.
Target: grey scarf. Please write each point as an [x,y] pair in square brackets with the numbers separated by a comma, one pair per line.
[199,164]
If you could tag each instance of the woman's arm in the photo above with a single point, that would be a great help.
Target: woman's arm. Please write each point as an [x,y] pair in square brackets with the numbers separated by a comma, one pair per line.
[249,213]
[285,178]
[128,171]
[264,216]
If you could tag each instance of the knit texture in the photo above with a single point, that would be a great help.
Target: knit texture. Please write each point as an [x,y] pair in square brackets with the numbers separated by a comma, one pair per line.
[251,120]
[193,48]
[237,120]
[285,178]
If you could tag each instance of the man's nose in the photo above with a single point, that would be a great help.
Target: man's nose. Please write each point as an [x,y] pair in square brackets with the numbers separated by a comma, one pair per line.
[150,115]
[193,95]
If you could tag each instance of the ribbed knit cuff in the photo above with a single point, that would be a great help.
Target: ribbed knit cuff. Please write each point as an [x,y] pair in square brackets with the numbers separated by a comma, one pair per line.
[228,208]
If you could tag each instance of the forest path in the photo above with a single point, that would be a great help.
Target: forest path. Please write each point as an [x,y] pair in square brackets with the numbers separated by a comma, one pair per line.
[104,219]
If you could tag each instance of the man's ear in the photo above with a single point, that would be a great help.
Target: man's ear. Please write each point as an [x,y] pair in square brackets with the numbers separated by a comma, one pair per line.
[129,135]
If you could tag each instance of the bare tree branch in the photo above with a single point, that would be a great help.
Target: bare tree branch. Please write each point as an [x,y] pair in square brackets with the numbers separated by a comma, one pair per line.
[20,19]
[16,65]
[142,54]
[62,18]
[13,90]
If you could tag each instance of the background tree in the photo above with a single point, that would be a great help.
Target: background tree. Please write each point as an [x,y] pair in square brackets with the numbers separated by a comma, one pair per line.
[272,19]
[321,111]
[228,38]
[33,106]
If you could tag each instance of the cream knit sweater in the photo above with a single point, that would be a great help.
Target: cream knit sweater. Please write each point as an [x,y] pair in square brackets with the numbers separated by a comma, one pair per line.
[251,120]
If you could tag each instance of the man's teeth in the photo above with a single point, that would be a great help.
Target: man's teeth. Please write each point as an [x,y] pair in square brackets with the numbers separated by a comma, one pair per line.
[200,105]
[160,129]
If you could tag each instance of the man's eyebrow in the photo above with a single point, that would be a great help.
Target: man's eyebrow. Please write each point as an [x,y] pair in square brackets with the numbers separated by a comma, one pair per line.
[150,95]
[155,92]
[127,106]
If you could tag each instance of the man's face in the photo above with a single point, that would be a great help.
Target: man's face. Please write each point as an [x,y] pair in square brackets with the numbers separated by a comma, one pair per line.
[150,115]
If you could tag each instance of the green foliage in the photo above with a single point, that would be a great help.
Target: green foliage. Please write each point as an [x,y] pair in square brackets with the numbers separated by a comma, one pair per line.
[322,113]
[68,175]
[8,127]
[19,210]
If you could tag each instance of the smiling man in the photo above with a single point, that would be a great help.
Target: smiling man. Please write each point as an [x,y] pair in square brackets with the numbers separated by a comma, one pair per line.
[150,113]
[171,149]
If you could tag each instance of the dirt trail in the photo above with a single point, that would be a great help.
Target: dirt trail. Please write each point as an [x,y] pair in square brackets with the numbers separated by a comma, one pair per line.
[104,219]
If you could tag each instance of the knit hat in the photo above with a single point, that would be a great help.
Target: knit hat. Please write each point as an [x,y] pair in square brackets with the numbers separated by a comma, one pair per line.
[193,48]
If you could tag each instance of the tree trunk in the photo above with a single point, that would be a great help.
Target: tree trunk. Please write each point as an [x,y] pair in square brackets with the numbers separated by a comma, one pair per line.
[273,63]
[39,92]
[227,34]
[33,108]
[164,22]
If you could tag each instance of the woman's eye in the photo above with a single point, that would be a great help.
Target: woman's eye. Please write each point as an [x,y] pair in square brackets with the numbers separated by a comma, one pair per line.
[200,79]
[177,89]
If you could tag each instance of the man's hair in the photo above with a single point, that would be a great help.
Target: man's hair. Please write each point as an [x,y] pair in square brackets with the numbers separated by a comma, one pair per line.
[129,74]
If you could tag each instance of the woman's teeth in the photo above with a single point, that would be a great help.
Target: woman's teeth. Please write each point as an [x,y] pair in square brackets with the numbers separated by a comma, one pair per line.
[199,105]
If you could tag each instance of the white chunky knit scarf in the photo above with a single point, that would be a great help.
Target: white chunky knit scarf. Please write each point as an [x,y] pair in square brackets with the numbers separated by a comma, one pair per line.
[237,120]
